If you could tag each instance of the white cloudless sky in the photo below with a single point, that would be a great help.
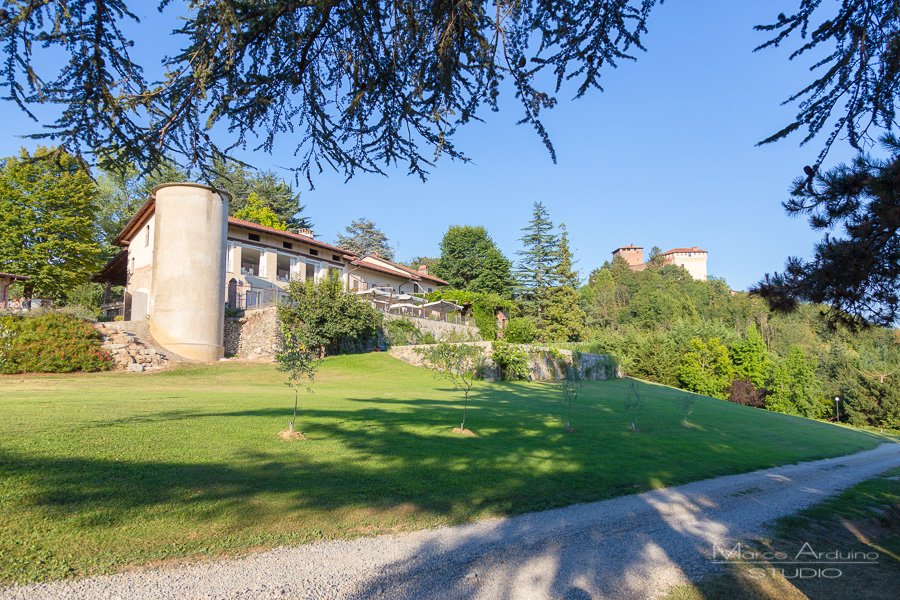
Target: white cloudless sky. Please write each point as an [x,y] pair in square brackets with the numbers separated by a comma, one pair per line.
[665,156]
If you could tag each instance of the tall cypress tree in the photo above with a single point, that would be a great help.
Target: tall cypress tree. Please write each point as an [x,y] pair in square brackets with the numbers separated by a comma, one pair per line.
[536,272]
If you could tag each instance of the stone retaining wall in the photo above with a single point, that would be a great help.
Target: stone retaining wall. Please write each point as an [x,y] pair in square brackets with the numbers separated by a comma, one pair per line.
[255,335]
[441,330]
[542,364]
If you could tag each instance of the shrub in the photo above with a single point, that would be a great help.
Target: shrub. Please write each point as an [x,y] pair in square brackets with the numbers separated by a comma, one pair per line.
[403,332]
[51,342]
[519,331]
[511,360]
[742,391]
[335,320]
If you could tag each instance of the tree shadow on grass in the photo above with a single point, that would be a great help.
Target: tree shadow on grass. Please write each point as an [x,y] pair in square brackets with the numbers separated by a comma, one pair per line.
[384,464]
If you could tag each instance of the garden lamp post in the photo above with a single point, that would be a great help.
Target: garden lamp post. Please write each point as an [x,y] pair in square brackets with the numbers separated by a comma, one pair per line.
[837,409]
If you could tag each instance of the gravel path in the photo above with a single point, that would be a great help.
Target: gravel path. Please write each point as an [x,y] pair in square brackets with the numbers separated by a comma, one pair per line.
[630,547]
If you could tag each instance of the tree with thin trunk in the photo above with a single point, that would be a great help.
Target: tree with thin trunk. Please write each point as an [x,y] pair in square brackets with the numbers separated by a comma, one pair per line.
[571,385]
[687,401]
[299,359]
[633,402]
[459,364]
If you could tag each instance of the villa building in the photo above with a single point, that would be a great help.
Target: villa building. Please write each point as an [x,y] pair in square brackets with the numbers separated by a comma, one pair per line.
[184,260]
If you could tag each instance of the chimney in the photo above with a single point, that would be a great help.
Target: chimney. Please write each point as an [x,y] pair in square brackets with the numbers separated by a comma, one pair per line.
[306,232]
[423,269]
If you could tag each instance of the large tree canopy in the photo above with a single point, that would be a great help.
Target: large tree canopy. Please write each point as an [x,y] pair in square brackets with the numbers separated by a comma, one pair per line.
[856,267]
[364,84]
[470,260]
[47,221]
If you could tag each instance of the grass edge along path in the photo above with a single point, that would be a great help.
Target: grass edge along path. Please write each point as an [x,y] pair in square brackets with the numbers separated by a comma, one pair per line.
[847,546]
[102,471]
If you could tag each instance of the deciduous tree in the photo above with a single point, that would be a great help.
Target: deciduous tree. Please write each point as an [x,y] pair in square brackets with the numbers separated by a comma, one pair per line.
[48,227]
[471,261]
[255,211]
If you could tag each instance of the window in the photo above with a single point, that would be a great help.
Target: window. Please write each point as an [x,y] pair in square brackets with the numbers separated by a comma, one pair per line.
[313,252]
[253,237]
[336,258]
[416,289]
[311,269]
[147,237]
[287,245]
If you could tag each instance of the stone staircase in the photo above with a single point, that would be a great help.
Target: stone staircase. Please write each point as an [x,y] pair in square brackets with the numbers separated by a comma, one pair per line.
[131,351]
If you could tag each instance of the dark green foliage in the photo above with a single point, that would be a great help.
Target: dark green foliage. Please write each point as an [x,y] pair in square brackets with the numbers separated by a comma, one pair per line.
[51,342]
[404,332]
[471,261]
[564,318]
[857,274]
[334,320]
[364,238]
[856,47]
[242,181]
[47,221]
[794,388]
[750,358]
[519,331]
[265,70]
[511,361]
[483,307]
[537,269]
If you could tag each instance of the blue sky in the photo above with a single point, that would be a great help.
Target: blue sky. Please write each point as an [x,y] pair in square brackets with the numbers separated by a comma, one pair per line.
[665,156]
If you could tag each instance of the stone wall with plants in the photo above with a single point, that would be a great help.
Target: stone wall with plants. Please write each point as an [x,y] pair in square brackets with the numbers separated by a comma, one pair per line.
[400,330]
[526,362]
[255,335]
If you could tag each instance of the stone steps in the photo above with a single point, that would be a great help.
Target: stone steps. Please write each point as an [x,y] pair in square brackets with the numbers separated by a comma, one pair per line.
[129,352]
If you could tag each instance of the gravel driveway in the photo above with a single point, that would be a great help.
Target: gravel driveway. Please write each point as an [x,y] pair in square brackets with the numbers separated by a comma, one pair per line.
[630,547]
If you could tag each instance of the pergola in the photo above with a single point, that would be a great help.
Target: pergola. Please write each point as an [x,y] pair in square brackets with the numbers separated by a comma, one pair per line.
[6,280]
[407,304]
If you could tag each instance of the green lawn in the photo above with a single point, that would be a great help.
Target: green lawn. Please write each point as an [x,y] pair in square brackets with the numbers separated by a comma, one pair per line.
[98,471]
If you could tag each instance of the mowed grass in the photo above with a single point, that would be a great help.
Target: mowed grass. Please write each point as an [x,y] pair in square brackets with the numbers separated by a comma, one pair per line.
[100,471]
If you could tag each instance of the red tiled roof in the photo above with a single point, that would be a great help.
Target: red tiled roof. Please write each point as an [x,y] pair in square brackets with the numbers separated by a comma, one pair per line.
[408,270]
[288,234]
[694,249]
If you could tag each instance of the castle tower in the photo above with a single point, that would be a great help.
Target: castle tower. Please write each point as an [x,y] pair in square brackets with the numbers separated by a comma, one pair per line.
[633,255]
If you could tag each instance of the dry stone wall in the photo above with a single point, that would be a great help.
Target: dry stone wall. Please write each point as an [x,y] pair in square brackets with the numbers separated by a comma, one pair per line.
[128,342]
[441,330]
[542,362]
[255,335]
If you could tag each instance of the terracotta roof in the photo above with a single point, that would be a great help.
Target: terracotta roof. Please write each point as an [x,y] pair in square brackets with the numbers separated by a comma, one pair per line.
[371,267]
[14,277]
[288,234]
[410,271]
[694,249]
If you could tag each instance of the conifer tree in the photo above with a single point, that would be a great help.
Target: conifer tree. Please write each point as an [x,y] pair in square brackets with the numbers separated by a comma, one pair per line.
[565,317]
[364,238]
[536,272]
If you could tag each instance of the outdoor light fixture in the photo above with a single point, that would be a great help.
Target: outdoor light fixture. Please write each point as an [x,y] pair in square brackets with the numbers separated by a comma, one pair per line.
[837,410]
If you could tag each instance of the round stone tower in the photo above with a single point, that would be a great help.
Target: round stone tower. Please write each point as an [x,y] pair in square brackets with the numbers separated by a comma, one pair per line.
[187,294]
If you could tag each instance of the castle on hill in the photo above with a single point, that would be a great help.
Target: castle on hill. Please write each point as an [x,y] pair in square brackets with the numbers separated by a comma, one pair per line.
[692,259]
